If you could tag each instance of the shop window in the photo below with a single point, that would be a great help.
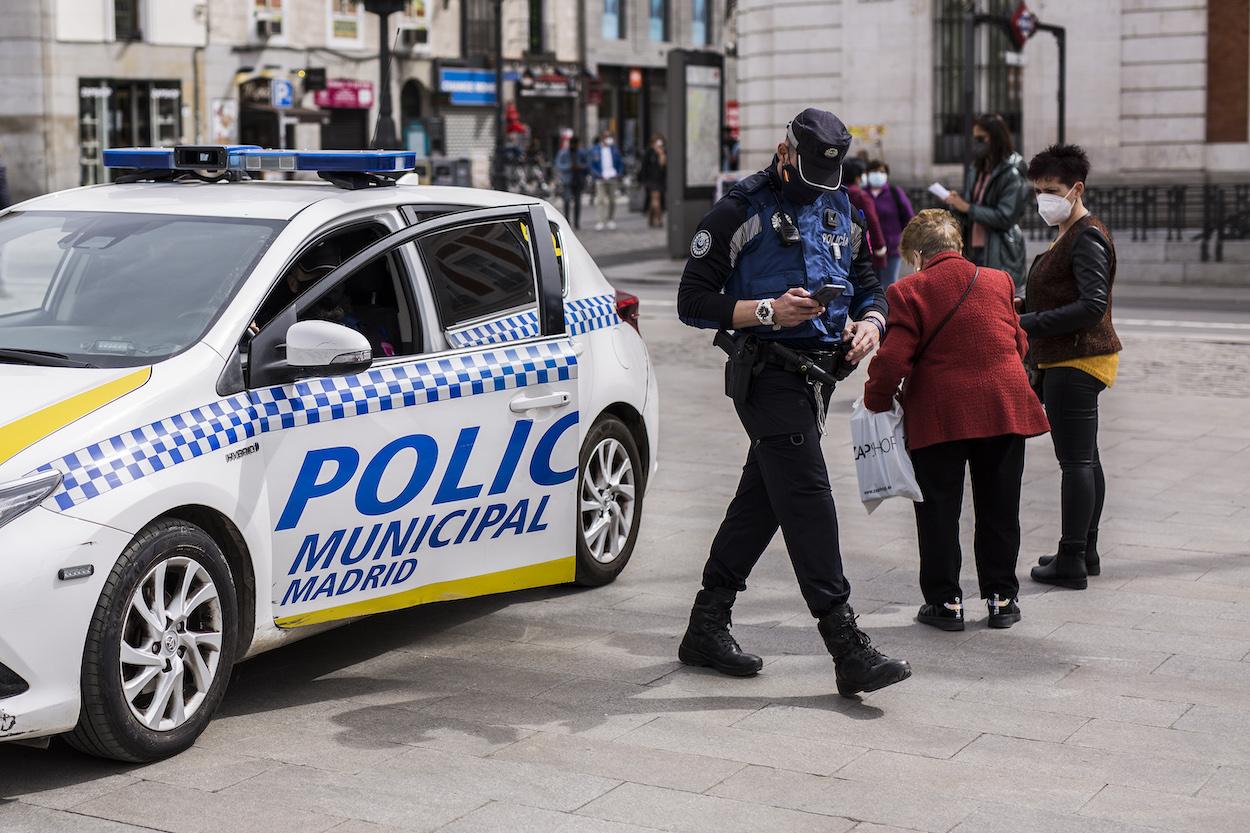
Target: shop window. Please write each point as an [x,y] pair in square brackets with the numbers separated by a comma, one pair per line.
[126,20]
[346,23]
[477,29]
[614,19]
[701,22]
[998,84]
[657,21]
[124,113]
[480,270]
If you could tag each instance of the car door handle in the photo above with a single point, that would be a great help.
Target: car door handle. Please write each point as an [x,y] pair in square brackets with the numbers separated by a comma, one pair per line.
[523,403]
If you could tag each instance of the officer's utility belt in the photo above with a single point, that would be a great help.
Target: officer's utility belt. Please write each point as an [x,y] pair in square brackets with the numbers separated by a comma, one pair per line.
[748,355]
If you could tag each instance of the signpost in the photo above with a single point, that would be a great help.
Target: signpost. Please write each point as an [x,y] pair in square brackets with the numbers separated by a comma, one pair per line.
[282,93]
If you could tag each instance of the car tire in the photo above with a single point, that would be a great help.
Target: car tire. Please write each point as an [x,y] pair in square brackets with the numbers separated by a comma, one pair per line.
[608,512]
[157,706]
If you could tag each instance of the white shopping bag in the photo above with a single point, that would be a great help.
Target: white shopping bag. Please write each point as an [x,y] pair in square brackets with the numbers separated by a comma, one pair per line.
[880,452]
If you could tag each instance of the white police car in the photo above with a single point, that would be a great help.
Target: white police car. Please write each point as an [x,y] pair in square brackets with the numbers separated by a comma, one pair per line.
[235,411]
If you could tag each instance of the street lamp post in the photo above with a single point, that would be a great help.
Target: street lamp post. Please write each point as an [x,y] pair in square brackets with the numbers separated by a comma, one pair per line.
[384,136]
[497,178]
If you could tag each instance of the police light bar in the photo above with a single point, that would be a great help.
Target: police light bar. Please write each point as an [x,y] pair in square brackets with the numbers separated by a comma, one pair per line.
[253,158]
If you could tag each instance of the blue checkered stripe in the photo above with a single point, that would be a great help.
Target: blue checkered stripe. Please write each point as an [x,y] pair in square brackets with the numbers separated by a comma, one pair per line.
[131,456]
[580,314]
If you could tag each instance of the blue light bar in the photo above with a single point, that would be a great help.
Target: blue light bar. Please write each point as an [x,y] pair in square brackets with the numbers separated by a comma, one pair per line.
[253,158]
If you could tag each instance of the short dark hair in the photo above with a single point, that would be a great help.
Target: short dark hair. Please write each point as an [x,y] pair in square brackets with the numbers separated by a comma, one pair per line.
[878,165]
[1066,163]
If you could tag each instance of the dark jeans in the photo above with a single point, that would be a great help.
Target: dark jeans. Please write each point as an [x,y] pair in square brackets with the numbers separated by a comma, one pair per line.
[1071,398]
[997,467]
[573,199]
[784,485]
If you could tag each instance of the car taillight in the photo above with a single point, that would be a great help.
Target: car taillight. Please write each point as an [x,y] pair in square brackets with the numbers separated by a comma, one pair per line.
[627,308]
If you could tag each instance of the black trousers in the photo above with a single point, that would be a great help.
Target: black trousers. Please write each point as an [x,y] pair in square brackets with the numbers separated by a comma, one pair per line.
[1071,398]
[784,485]
[997,467]
[573,200]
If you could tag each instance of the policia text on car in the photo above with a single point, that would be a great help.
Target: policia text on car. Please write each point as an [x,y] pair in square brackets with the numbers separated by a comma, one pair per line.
[782,261]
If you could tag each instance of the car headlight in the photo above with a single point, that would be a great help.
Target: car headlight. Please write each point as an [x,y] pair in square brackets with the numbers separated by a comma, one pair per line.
[20,496]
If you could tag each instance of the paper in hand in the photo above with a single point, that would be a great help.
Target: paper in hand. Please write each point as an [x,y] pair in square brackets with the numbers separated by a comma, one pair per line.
[939,190]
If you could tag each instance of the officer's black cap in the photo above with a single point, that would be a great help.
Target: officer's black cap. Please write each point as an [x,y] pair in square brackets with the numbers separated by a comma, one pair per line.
[822,141]
[319,260]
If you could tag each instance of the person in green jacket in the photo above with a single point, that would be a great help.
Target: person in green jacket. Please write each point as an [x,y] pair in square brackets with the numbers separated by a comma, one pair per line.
[997,197]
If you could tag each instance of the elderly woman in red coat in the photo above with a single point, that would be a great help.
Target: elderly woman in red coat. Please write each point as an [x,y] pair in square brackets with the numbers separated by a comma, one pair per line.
[954,335]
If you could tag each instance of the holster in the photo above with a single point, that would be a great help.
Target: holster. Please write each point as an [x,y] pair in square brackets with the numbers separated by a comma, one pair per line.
[743,364]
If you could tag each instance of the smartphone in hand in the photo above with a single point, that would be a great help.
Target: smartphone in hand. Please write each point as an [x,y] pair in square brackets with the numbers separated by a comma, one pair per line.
[825,295]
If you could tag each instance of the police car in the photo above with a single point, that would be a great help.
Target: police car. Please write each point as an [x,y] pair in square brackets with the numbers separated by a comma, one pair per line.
[237,411]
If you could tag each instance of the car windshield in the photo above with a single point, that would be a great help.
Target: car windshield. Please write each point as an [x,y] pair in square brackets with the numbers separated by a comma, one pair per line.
[109,289]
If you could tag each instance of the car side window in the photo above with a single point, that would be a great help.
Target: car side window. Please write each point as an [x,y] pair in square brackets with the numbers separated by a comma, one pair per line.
[483,280]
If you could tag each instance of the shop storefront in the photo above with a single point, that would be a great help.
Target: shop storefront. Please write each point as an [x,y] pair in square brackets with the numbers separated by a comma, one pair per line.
[348,102]
[116,112]
[268,115]
[547,103]
[466,104]
[634,105]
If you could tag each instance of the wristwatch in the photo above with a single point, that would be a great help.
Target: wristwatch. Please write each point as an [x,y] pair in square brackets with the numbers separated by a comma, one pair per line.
[764,312]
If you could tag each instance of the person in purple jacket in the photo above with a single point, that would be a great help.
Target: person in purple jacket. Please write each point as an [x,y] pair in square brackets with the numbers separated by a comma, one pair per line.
[893,210]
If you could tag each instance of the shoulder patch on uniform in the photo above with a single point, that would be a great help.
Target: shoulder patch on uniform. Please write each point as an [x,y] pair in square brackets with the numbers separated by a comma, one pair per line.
[701,244]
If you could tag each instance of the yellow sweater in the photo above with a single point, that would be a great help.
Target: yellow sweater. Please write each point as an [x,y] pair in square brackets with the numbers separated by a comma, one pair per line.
[1103,368]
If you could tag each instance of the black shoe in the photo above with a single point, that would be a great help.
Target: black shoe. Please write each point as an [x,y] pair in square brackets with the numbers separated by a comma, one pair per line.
[708,642]
[857,666]
[1066,569]
[1092,565]
[949,616]
[1003,612]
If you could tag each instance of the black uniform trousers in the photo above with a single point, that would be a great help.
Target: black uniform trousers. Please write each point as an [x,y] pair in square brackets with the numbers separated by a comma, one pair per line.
[997,467]
[784,484]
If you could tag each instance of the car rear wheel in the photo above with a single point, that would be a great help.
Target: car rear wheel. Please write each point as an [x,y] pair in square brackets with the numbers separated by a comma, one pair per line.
[609,492]
[160,646]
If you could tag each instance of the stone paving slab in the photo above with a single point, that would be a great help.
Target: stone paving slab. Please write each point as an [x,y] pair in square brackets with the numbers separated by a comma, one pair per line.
[1121,709]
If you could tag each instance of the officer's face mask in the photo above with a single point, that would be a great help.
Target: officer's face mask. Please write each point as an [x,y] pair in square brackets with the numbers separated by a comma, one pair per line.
[794,188]
[1054,208]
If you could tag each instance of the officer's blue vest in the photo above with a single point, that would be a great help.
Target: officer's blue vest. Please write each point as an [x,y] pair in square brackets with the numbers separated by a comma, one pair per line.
[766,269]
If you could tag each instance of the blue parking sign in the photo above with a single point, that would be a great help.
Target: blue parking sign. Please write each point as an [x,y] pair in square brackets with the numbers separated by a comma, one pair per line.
[281,93]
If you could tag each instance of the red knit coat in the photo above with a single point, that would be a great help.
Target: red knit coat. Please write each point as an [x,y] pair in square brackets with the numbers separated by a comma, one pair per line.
[970,382]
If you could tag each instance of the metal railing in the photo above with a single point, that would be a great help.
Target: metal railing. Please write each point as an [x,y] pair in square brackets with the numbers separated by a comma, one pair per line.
[1208,213]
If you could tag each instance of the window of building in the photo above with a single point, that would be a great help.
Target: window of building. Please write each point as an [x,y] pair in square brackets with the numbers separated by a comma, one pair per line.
[701,22]
[480,270]
[997,84]
[346,22]
[657,20]
[614,19]
[126,20]
[124,113]
[537,23]
[267,15]
[477,29]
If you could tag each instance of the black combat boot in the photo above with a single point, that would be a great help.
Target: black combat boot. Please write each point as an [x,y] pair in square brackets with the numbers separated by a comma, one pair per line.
[1066,569]
[1003,612]
[857,665]
[1093,566]
[708,642]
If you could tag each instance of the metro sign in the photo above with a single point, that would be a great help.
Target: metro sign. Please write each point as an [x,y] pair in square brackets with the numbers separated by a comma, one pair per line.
[1023,25]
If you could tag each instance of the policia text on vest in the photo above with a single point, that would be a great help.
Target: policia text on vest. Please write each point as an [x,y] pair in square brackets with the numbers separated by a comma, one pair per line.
[770,243]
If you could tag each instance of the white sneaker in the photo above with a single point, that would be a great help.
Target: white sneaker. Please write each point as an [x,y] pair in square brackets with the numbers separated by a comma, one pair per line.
[611,226]
[598,226]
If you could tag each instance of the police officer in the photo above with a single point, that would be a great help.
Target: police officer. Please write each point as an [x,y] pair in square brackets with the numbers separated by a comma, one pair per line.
[755,262]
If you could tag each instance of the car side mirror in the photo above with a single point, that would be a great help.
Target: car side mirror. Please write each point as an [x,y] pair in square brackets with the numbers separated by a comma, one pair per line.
[323,348]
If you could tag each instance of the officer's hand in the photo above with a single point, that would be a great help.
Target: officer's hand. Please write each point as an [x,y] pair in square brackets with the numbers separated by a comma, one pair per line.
[863,336]
[795,307]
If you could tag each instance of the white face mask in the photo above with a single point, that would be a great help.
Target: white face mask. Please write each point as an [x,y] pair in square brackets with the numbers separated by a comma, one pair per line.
[1054,208]
[877,179]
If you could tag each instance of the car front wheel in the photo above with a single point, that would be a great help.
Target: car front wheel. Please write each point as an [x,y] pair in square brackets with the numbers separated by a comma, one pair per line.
[160,646]
[609,493]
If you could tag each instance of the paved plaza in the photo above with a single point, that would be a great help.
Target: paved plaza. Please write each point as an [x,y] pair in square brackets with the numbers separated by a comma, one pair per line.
[1124,708]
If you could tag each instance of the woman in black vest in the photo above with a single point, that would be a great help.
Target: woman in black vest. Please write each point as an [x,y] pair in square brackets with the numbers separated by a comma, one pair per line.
[1067,315]
[996,194]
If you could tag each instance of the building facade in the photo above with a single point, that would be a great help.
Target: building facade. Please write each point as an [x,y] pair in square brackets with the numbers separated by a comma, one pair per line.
[1156,89]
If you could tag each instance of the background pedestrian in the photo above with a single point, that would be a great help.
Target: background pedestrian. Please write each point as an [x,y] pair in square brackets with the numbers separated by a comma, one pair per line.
[1077,351]
[853,171]
[967,404]
[654,175]
[997,198]
[571,167]
[893,211]
[605,167]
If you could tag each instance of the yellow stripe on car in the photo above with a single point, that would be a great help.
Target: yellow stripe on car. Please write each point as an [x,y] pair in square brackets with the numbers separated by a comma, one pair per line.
[30,429]
[560,571]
